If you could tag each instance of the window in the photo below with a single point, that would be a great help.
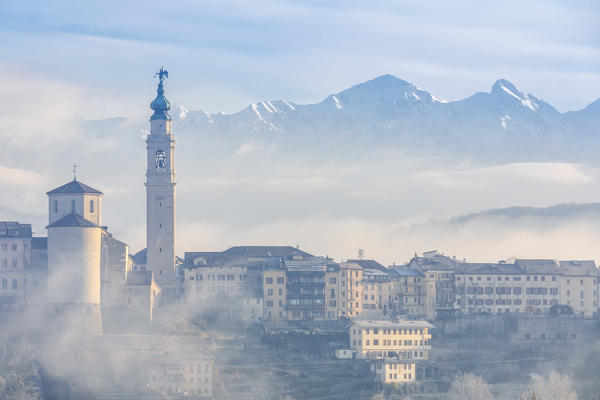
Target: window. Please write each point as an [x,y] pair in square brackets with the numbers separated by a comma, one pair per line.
[4,263]
[14,283]
[13,246]
[332,280]
[269,280]
[4,247]
[281,292]
[270,292]
[269,303]
[14,263]
[55,206]
[92,206]
[4,284]
[280,280]
[72,206]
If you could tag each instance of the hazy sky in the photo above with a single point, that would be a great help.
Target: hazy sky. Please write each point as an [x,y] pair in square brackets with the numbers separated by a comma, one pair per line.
[223,55]
[64,62]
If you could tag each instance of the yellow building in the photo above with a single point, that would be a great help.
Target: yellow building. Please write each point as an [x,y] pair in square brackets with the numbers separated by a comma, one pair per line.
[351,276]
[390,371]
[377,291]
[184,374]
[274,293]
[404,340]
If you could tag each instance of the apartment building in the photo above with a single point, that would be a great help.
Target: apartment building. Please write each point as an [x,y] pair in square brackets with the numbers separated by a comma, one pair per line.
[274,288]
[409,293]
[377,291]
[527,286]
[404,340]
[438,283]
[312,289]
[390,371]
[351,291]
[15,245]
[207,274]
[332,291]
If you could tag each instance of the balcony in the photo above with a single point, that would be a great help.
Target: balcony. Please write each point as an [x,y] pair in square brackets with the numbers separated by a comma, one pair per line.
[305,307]
[293,284]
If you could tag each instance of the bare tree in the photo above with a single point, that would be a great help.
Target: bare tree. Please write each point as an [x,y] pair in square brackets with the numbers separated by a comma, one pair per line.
[469,387]
[553,387]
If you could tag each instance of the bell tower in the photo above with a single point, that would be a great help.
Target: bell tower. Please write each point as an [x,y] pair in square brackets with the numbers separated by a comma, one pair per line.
[160,189]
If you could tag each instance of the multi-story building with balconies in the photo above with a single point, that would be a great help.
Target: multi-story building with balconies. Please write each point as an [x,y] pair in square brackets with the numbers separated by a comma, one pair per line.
[306,289]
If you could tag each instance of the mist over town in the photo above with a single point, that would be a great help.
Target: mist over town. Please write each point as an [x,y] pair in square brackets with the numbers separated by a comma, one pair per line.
[299,200]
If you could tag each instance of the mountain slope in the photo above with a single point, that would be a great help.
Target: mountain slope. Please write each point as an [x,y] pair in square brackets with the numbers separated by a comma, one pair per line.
[388,111]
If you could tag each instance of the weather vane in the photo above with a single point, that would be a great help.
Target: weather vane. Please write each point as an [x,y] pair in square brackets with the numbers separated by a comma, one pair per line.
[74,172]
[162,74]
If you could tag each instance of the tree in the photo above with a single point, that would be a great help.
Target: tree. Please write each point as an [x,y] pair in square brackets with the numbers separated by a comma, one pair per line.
[553,387]
[469,387]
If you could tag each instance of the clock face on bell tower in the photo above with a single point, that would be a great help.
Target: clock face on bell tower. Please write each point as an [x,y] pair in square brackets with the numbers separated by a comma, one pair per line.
[160,160]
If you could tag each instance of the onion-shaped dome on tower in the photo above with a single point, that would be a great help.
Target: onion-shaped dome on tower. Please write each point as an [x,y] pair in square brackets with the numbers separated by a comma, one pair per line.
[160,104]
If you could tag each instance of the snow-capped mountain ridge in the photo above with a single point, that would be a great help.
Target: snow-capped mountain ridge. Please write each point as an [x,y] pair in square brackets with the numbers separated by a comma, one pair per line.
[388,111]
